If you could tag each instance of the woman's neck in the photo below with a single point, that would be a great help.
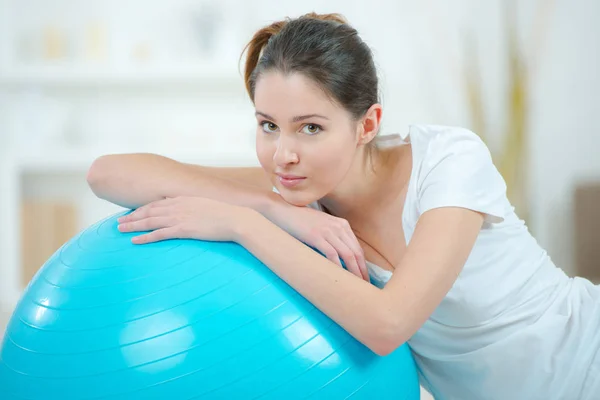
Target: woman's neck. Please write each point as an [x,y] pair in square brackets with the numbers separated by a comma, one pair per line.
[373,180]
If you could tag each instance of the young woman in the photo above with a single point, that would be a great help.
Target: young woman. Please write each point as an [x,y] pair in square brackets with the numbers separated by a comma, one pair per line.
[435,254]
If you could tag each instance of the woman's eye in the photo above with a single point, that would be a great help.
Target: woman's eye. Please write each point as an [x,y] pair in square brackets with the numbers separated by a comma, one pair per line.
[269,127]
[311,129]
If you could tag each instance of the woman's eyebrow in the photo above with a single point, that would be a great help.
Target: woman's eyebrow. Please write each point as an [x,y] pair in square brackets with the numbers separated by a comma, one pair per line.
[295,119]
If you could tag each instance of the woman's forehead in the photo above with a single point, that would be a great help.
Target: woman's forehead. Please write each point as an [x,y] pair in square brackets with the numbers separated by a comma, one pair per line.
[276,89]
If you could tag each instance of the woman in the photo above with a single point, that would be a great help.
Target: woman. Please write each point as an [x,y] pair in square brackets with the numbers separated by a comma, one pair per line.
[435,255]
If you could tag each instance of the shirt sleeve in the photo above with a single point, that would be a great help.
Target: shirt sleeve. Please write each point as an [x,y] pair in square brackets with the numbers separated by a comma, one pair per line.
[458,171]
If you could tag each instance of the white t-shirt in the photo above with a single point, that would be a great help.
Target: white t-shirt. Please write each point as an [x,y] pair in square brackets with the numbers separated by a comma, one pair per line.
[513,326]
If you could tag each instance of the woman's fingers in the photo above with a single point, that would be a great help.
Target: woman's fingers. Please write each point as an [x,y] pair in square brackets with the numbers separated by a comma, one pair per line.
[146,224]
[156,236]
[348,237]
[148,210]
[329,251]
[140,212]
[352,242]
[346,254]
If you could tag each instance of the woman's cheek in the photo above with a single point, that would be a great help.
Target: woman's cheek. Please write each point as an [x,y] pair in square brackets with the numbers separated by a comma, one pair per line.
[265,157]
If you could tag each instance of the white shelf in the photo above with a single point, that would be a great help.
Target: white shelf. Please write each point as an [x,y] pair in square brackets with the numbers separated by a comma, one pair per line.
[59,75]
[73,159]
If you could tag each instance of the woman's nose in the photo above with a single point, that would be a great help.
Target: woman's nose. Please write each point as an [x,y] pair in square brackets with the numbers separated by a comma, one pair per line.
[285,154]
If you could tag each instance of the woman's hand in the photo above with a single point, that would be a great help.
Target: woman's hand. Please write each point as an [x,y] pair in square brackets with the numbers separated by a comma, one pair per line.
[205,219]
[184,218]
[332,236]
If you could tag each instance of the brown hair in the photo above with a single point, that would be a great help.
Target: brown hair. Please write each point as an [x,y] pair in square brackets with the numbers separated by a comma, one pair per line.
[322,47]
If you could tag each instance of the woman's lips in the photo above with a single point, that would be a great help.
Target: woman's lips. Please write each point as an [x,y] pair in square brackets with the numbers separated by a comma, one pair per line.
[290,180]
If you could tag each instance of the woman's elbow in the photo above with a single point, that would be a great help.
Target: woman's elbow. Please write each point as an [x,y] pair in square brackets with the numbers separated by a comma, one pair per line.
[385,347]
[387,339]
[97,174]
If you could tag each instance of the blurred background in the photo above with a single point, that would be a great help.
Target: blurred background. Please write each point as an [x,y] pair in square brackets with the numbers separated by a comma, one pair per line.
[79,79]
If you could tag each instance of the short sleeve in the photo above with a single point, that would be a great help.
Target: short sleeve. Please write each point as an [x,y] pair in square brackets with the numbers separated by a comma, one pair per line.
[457,171]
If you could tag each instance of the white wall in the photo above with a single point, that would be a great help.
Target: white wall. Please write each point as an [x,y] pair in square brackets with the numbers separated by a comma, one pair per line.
[417,46]
[565,134]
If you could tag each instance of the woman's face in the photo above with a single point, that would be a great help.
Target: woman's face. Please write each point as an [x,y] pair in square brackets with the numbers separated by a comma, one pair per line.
[305,142]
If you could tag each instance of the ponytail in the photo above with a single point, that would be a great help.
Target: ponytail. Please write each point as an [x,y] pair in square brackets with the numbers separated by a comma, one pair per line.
[254,48]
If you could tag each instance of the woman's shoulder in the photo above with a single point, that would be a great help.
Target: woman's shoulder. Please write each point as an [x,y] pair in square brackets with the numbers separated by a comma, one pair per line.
[442,135]
[454,167]
[449,145]
[430,140]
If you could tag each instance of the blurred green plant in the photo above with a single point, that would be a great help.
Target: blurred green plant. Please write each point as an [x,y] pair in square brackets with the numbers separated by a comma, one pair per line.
[512,159]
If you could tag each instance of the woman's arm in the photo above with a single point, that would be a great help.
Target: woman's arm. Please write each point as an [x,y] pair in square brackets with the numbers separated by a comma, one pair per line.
[140,180]
[133,180]
[382,319]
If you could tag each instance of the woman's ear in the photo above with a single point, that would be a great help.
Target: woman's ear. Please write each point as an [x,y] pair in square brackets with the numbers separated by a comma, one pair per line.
[368,126]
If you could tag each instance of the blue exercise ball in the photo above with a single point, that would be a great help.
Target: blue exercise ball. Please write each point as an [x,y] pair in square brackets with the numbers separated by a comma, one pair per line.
[181,319]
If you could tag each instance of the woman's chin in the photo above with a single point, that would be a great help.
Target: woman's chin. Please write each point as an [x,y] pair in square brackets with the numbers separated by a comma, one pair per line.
[297,198]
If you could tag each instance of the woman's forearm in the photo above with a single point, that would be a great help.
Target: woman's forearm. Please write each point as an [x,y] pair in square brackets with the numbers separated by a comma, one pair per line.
[359,307]
[133,180]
